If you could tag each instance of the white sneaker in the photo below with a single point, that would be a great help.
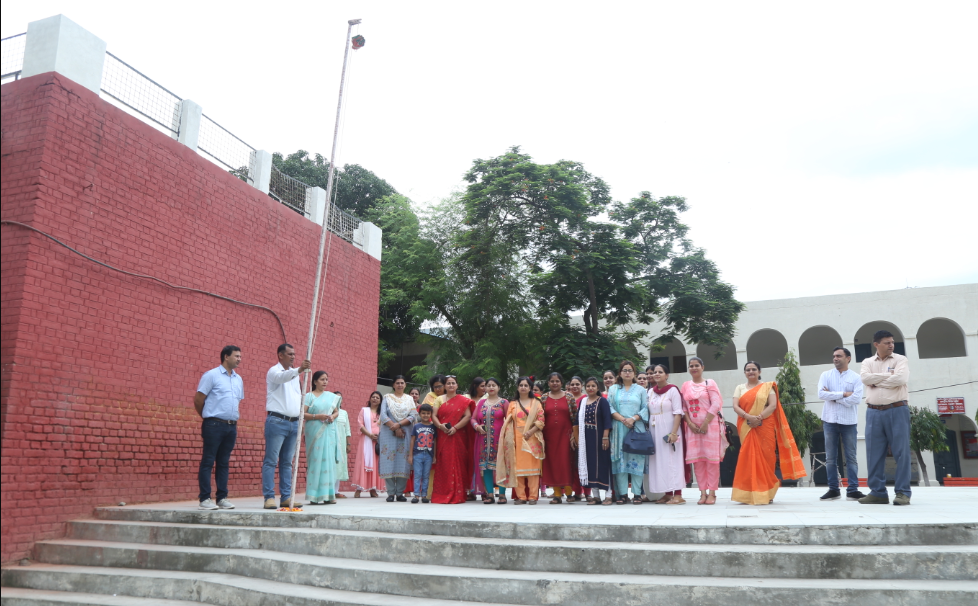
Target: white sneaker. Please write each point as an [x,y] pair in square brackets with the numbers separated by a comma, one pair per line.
[225,504]
[207,504]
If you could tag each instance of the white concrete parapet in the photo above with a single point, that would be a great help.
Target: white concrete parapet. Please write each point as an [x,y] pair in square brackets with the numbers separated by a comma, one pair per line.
[190,114]
[263,170]
[316,204]
[367,238]
[58,44]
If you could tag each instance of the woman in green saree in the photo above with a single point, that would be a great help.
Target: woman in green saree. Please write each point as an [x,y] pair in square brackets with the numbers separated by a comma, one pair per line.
[322,442]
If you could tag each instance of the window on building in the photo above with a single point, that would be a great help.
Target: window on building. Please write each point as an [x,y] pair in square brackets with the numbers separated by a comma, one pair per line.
[726,361]
[816,344]
[863,341]
[940,338]
[767,347]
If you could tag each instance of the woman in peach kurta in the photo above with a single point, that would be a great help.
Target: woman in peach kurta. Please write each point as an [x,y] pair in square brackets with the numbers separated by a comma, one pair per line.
[706,438]
[764,435]
[366,473]
[519,462]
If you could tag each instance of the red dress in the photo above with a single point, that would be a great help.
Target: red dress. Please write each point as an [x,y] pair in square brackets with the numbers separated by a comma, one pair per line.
[559,466]
[452,473]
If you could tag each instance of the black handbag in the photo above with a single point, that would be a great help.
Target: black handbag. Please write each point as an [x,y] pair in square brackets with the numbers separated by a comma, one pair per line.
[638,442]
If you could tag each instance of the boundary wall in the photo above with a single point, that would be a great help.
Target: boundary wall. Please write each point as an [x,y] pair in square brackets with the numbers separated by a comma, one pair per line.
[99,368]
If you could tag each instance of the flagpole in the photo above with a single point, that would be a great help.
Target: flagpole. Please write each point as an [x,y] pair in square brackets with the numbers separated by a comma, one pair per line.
[322,249]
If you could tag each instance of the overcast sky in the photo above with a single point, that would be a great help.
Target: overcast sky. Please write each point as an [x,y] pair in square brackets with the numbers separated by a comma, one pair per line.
[824,148]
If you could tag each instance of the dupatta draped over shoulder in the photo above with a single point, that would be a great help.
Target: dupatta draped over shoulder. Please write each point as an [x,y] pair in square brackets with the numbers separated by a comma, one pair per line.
[518,456]
[755,482]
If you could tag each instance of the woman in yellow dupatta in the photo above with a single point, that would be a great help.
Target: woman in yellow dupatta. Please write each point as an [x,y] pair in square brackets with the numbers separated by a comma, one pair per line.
[519,459]
[764,435]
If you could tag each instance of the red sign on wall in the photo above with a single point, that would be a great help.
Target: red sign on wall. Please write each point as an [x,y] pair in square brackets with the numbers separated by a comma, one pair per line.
[950,406]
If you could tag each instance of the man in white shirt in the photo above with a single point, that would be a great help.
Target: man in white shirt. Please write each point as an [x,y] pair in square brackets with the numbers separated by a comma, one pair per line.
[841,390]
[283,405]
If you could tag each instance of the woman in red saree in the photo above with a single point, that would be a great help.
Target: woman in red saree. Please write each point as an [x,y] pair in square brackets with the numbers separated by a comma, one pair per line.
[452,474]
[764,435]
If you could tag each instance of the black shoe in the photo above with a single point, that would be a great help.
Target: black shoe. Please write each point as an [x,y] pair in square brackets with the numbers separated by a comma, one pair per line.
[415,500]
[425,500]
[390,498]
[831,495]
[401,498]
[854,495]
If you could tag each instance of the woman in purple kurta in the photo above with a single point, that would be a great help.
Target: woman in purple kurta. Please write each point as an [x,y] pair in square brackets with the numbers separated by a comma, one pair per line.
[490,412]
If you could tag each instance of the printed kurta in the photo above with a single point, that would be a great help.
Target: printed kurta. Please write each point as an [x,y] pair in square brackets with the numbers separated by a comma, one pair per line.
[365,474]
[452,474]
[491,417]
[393,450]
[322,448]
[594,463]
[520,457]
[702,399]
[666,466]
[628,403]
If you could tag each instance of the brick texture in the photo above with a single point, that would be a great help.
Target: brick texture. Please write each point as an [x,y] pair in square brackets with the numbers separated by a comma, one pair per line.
[99,369]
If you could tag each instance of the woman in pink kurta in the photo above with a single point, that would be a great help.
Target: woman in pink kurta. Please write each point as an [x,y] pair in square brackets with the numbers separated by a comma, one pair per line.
[706,440]
[366,474]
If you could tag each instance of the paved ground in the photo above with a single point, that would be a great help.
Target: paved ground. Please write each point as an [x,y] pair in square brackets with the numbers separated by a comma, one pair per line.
[792,507]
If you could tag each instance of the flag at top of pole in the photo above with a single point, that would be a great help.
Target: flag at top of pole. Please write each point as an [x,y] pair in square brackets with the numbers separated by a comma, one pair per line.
[358,41]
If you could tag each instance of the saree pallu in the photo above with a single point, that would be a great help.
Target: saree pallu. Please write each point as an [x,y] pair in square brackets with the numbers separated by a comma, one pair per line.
[322,449]
[755,482]
[520,457]
[452,474]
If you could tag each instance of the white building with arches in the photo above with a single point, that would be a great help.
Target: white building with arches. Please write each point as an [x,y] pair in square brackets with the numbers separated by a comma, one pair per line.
[936,328]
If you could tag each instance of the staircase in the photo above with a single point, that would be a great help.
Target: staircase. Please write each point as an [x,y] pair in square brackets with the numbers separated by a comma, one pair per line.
[161,557]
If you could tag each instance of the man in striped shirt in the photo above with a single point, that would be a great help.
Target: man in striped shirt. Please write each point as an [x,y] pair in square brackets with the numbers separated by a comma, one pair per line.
[842,390]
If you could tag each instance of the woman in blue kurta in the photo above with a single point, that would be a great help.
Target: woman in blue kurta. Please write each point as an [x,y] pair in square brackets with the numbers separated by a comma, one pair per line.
[629,409]
[322,445]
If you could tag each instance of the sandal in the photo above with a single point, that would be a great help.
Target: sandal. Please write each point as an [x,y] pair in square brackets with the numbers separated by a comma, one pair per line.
[702,500]
[533,502]
[555,501]
[637,501]
[501,500]
[676,501]
[488,499]
[711,500]
[373,493]
[620,502]
[607,501]
[356,495]
[519,502]
[663,501]
[593,501]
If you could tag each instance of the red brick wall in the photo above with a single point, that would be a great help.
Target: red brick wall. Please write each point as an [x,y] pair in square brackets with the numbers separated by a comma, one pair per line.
[99,369]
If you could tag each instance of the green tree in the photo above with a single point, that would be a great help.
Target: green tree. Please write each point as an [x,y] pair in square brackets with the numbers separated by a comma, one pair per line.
[357,189]
[926,433]
[803,422]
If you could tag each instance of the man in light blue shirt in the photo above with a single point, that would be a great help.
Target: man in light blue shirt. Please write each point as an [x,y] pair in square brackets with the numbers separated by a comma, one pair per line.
[842,390]
[218,394]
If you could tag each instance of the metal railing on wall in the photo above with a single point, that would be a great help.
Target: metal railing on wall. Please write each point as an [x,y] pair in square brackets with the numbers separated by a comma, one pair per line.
[136,93]
[12,57]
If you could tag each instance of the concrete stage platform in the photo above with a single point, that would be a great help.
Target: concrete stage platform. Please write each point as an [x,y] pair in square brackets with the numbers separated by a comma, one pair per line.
[366,551]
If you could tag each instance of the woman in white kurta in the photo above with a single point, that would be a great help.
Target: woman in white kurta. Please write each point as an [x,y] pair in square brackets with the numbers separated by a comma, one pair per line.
[666,472]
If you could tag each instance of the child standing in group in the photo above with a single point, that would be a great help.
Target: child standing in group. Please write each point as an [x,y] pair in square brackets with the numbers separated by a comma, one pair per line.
[421,452]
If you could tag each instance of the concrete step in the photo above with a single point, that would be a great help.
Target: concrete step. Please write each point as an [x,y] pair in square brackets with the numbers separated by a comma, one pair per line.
[194,587]
[687,532]
[529,586]
[761,561]
[16,596]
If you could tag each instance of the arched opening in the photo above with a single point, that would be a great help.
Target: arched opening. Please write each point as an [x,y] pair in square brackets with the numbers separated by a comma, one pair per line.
[767,347]
[940,338]
[816,344]
[864,339]
[961,458]
[673,356]
[726,361]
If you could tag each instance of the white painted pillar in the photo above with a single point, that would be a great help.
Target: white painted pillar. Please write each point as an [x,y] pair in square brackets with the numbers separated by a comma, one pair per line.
[58,44]
[316,204]
[263,170]
[190,114]
[367,238]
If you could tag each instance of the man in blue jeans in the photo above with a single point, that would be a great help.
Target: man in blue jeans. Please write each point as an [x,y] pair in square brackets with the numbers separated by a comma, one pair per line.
[283,406]
[218,394]
[841,389]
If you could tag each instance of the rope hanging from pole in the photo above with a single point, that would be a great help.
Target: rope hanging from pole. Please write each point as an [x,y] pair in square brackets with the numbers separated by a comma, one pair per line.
[326,237]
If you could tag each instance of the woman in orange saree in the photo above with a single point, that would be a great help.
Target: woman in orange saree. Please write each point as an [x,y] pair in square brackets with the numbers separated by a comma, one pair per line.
[764,436]
[452,473]
[519,458]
